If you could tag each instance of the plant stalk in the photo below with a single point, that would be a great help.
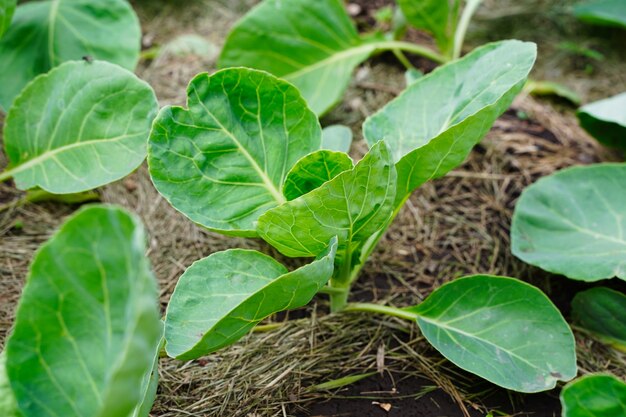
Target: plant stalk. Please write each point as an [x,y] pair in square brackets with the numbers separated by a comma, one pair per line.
[380,309]
[412,48]
[461,30]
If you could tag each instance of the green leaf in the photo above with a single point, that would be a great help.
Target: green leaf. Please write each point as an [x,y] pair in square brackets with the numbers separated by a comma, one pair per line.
[87,326]
[353,206]
[223,160]
[594,396]
[78,127]
[337,138]
[222,297]
[8,405]
[47,33]
[501,329]
[7,8]
[605,120]
[573,223]
[602,311]
[602,12]
[150,382]
[432,126]
[313,170]
[552,88]
[438,17]
[312,44]
[411,75]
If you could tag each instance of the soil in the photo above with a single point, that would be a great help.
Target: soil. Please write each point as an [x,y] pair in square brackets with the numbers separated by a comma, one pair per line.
[454,226]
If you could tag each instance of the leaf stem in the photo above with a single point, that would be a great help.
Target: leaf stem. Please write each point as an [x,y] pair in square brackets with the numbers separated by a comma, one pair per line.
[6,175]
[403,59]
[381,309]
[412,48]
[466,16]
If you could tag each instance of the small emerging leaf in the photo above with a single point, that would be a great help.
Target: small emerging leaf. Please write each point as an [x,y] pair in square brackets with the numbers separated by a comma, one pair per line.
[80,126]
[433,125]
[223,160]
[222,297]
[46,33]
[501,329]
[87,326]
[602,12]
[573,223]
[7,8]
[353,206]
[337,138]
[312,44]
[313,170]
[602,311]
[594,396]
[605,120]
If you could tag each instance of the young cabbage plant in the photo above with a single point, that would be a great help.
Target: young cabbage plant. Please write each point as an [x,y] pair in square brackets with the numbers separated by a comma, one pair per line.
[246,158]
[46,33]
[602,312]
[80,126]
[311,43]
[594,395]
[87,331]
[605,120]
[572,223]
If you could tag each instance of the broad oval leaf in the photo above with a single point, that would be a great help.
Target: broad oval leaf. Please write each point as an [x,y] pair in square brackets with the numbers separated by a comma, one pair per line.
[47,33]
[222,297]
[312,44]
[433,125]
[605,120]
[313,170]
[223,160]
[574,223]
[337,138]
[594,396]
[353,206]
[602,12]
[7,8]
[501,329]
[87,326]
[439,17]
[78,127]
[602,311]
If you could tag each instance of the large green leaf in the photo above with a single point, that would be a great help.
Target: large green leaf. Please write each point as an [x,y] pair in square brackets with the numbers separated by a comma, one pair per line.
[602,12]
[7,8]
[82,125]
[312,44]
[87,326]
[573,223]
[594,396]
[314,170]
[222,297]
[501,329]
[606,120]
[439,17]
[353,206]
[46,33]
[223,160]
[432,126]
[602,311]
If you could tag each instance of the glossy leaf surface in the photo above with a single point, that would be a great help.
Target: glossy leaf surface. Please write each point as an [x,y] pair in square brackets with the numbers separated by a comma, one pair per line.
[46,33]
[605,120]
[222,161]
[87,326]
[501,329]
[433,125]
[313,170]
[351,206]
[602,311]
[222,297]
[312,44]
[594,396]
[78,127]
[573,223]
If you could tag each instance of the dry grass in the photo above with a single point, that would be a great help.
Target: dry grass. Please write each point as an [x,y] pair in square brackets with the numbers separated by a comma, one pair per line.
[454,226]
